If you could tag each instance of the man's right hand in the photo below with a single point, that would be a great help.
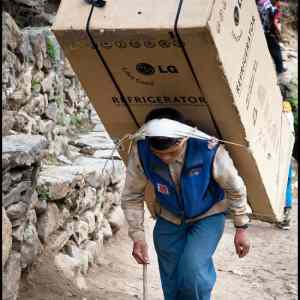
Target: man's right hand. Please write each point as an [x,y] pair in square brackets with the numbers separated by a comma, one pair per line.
[140,252]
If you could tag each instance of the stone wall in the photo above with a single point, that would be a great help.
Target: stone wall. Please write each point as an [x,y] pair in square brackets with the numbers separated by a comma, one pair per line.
[32,12]
[61,184]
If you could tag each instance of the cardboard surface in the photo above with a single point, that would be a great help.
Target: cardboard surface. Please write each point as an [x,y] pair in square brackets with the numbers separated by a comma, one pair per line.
[222,78]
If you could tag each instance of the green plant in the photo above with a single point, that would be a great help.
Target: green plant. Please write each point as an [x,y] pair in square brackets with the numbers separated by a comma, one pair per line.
[60,119]
[294,103]
[43,193]
[75,120]
[52,49]
[34,84]
[60,101]
[51,159]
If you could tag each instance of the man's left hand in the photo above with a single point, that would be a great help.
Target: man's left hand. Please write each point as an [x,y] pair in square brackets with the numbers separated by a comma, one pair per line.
[241,242]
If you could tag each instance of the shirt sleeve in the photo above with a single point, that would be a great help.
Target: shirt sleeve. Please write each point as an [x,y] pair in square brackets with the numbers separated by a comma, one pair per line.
[226,175]
[132,199]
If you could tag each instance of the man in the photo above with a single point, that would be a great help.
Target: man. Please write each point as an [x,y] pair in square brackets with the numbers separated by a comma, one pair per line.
[191,178]
[270,18]
[285,224]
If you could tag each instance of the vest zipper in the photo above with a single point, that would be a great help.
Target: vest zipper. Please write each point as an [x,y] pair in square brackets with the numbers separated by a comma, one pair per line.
[180,203]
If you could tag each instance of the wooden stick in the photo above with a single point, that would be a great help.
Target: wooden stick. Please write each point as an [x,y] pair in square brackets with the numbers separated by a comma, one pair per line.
[145,282]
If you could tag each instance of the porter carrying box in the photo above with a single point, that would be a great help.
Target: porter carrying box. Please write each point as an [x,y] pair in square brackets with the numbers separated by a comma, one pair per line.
[208,59]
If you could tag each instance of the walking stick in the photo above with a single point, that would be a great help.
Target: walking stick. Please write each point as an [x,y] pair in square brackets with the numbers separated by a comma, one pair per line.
[145,282]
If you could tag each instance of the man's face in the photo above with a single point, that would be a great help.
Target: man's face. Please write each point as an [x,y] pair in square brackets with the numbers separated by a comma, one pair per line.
[171,154]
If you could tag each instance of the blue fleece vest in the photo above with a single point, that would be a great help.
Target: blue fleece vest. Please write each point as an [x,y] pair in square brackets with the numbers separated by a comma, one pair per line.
[198,190]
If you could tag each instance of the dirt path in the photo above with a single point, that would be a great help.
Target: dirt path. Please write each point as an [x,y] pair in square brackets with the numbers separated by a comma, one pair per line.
[269,272]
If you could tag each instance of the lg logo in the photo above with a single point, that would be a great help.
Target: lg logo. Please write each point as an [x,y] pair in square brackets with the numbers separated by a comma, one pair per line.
[147,69]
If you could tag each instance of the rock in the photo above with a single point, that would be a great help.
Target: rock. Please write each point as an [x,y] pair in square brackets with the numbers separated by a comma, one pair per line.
[45,127]
[25,79]
[8,121]
[100,172]
[11,277]
[19,174]
[68,71]
[6,182]
[38,76]
[94,250]
[48,81]
[17,210]
[37,105]
[45,19]
[11,31]
[80,254]
[66,215]
[81,232]
[89,218]
[64,160]
[106,229]
[32,217]
[51,111]
[4,40]
[58,182]
[18,236]
[67,83]
[98,213]
[116,218]
[6,237]
[22,150]
[107,154]
[59,145]
[71,95]
[80,282]
[18,98]
[34,200]
[23,122]
[31,246]
[98,141]
[49,222]
[41,207]
[22,93]
[58,240]
[39,48]
[98,127]
[47,65]
[86,200]
[70,266]
[98,233]
[111,199]
[24,49]
[20,193]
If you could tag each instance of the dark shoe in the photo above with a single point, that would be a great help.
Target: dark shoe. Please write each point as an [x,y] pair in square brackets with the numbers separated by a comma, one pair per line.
[287,214]
[284,225]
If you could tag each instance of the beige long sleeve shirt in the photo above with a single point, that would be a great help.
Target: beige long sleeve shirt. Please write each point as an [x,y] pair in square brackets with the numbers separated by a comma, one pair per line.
[224,173]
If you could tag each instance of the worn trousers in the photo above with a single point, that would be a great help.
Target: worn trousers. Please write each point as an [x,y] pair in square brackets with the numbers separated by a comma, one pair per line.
[289,189]
[275,51]
[185,257]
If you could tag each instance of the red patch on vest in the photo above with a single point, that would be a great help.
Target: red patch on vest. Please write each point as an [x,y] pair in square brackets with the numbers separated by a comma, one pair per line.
[162,189]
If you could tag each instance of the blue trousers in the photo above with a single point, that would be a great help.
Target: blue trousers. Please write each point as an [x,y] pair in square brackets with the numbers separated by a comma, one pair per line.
[185,257]
[289,190]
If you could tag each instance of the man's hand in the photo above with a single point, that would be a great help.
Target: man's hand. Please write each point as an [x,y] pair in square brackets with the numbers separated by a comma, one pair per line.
[140,252]
[241,242]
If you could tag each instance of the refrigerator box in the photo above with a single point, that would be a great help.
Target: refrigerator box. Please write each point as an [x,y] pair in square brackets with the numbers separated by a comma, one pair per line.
[208,59]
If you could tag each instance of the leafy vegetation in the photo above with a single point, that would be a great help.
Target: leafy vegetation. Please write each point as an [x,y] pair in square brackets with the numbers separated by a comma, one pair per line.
[43,193]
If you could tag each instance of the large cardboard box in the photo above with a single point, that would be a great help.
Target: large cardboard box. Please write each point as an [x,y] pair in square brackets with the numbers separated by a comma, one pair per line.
[208,59]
